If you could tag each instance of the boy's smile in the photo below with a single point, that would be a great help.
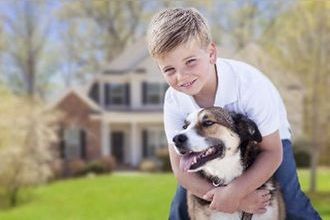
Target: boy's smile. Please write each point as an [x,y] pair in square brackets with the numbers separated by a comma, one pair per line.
[189,68]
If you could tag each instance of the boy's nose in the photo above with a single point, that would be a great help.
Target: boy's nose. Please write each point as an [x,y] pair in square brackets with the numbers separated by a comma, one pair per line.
[182,74]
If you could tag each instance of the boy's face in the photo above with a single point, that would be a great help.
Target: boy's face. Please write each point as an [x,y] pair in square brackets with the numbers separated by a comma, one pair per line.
[188,67]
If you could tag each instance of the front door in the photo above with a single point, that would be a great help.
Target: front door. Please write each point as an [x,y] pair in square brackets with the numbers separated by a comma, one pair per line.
[117,144]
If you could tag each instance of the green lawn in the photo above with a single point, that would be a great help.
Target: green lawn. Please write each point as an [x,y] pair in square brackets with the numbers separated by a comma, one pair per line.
[121,196]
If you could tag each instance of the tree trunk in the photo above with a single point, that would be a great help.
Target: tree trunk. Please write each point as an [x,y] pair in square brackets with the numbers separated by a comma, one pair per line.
[13,197]
[315,143]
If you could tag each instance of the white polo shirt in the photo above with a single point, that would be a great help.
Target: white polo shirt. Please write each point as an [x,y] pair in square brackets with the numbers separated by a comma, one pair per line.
[242,89]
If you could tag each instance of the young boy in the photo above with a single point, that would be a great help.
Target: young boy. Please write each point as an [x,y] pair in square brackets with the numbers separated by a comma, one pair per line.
[179,40]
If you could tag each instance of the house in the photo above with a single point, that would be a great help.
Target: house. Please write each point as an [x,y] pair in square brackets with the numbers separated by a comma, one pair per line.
[120,112]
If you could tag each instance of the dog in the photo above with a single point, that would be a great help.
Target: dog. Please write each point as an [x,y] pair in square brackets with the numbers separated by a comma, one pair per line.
[220,145]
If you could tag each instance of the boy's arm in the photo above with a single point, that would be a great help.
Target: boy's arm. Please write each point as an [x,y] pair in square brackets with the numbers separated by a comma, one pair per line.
[190,181]
[226,199]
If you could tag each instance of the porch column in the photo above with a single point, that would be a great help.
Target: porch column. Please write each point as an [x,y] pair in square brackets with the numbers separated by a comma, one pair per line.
[105,133]
[102,94]
[135,145]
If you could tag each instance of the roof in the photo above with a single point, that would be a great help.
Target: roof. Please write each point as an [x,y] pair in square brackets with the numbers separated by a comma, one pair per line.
[80,92]
[129,58]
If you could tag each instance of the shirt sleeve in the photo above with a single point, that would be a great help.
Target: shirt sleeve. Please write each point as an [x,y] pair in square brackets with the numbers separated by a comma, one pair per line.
[261,106]
[173,117]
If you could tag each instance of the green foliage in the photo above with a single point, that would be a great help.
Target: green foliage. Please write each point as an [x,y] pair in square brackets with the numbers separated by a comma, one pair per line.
[301,43]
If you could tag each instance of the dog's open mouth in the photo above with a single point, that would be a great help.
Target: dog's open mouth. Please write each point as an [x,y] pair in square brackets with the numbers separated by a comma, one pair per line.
[191,161]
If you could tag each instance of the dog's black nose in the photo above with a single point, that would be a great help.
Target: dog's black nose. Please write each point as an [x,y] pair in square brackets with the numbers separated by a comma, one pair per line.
[179,139]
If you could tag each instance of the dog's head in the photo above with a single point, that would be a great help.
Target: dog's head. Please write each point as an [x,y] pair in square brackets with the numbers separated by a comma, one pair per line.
[212,133]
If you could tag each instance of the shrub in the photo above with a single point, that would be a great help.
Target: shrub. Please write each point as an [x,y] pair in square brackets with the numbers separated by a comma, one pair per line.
[108,163]
[76,167]
[301,152]
[57,167]
[94,167]
[27,133]
[163,154]
[302,159]
[149,165]
[105,164]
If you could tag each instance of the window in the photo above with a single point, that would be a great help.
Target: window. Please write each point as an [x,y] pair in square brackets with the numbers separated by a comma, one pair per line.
[117,94]
[153,93]
[74,143]
[153,138]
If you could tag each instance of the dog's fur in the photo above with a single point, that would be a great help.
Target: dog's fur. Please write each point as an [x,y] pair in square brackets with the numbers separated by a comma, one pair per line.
[220,146]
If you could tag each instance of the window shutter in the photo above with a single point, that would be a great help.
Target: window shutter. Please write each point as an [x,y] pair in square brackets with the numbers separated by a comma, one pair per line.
[83,150]
[144,93]
[62,143]
[94,93]
[107,94]
[144,143]
[127,94]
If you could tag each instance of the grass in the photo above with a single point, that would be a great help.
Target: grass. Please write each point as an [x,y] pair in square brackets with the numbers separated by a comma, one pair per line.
[123,196]
[320,199]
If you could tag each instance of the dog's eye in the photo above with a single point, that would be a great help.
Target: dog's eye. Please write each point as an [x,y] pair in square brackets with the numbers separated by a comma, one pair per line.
[207,123]
[185,126]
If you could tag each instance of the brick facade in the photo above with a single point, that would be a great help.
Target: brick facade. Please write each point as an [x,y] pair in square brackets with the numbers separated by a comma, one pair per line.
[77,112]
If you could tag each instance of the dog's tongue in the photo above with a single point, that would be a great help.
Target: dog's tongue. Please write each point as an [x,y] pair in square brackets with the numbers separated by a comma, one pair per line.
[186,161]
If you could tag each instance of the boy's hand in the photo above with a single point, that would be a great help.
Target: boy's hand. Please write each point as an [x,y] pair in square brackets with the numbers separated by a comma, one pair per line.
[255,202]
[224,199]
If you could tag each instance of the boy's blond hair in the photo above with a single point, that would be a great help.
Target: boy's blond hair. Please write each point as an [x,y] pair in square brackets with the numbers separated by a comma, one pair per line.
[172,27]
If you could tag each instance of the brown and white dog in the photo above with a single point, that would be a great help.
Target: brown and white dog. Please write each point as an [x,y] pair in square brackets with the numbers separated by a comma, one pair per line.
[220,146]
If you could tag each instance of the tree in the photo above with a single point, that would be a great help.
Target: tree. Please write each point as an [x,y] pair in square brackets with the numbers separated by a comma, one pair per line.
[27,130]
[93,32]
[25,60]
[301,42]
[238,23]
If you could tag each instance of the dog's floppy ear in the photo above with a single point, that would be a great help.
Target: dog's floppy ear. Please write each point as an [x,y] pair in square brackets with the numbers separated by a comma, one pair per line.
[246,128]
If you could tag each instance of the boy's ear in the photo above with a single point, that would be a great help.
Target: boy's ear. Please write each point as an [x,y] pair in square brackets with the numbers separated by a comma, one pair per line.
[246,128]
[212,48]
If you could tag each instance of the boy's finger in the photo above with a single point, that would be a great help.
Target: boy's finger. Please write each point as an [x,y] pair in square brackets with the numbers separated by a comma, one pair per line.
[212,206]
[209,195]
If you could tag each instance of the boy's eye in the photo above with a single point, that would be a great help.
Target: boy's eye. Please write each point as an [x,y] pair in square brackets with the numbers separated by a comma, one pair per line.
[207,123]
[169,71]
[191,62]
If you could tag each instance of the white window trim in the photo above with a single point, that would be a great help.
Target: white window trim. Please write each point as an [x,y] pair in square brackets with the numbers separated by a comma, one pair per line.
[72,148]
[161,94]
[158,143]
[120,95]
